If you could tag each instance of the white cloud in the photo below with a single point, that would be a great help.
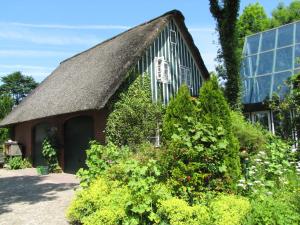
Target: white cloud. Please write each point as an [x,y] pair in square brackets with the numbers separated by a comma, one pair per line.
[70,27]
[47,39]
[34,53]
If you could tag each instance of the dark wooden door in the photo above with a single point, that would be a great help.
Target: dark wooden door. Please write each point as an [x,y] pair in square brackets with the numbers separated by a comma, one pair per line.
[78,132]
[40,131]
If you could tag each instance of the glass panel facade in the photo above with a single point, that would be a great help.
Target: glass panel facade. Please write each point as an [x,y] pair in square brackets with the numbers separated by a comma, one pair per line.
[252,45]
[265,64]
[279,86]
[284,59]
[268,40]
[285,35]
[269,58]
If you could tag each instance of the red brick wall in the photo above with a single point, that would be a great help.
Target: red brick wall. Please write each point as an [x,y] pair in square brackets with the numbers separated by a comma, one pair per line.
[23,132]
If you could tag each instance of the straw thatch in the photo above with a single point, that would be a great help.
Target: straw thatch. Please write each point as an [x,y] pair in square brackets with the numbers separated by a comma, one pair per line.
[87,80]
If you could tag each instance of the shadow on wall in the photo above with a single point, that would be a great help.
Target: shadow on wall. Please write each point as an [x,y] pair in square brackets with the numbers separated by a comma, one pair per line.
[28,190]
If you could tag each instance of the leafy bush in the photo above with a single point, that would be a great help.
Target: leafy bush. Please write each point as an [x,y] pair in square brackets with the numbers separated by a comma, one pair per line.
[214,110]
[177,212]
[15,163]
[179,107]
[269,169]
[229,210]
[134,118]
[272,210]
[104,202]
[99,158]
[50,155]
[251,137]
[199,162]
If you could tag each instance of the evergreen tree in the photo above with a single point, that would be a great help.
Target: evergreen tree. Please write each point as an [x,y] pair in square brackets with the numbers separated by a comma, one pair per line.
[214,110]
[179,107]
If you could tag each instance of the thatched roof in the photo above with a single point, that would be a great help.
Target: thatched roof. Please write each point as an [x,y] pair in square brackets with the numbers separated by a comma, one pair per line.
[87,80]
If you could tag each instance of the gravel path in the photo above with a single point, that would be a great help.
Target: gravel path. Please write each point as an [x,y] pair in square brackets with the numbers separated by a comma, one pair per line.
[29,199]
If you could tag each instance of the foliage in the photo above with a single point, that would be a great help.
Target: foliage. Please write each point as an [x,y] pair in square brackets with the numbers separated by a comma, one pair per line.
[251,137]
[134,118]
[285,14]
[179,106]
[177,212]
[229,210]
[104,202]
[269,169]
[214,110]
[226,12]
[15,163]
[50,154]
[100,158]
[17,86]
[252,20]
[277,209]
[287,109]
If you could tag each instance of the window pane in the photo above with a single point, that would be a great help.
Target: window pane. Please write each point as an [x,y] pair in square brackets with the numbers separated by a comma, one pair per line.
[262,118]
[262,87]
[284,59]
[279,85]
[248,90]
[297,57]
[298,32]
[249,66]
[265,64]
[268,40]
[252,44]
[285,36]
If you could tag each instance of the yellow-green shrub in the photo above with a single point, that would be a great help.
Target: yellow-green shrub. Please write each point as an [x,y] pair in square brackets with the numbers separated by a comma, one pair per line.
[177,212]
[104,201]
[229,210]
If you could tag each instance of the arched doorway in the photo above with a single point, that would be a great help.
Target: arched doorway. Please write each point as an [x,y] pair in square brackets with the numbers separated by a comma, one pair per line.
[40,132]
[78,132]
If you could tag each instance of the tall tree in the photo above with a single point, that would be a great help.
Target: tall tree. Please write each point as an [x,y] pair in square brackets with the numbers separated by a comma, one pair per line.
[252,20]
[285,14]
[17,86]
[225,13]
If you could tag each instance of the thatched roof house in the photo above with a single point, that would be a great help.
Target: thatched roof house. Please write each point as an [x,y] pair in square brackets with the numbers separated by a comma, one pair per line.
[82,85]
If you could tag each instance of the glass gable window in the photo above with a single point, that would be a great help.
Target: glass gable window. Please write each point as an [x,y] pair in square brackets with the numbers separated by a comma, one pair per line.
[265,64]
[285,35]
[284,59]
[269,59]
[252,45]
[268,40]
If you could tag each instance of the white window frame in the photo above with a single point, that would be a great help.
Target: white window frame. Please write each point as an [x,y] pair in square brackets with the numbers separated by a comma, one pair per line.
[173,32]
[186,75]
[161,74]
[269,118]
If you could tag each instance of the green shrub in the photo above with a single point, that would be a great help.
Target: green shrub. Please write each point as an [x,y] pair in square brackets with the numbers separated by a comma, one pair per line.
[251,137]
[104,202]
[229,210]
[100,158]
[199,160]
[50,154]
[177,212]
[178,108]
[134,118]
[273,210]
[269,169]
[214,110]
[16,162]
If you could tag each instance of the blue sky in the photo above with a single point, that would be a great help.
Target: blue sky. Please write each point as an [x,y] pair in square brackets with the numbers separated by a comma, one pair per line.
[36,35]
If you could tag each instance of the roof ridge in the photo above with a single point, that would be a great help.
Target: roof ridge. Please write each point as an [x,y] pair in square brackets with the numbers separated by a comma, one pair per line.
[171,12]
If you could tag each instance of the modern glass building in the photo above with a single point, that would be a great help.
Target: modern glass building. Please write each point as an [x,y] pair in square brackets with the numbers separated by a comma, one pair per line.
[269,59]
